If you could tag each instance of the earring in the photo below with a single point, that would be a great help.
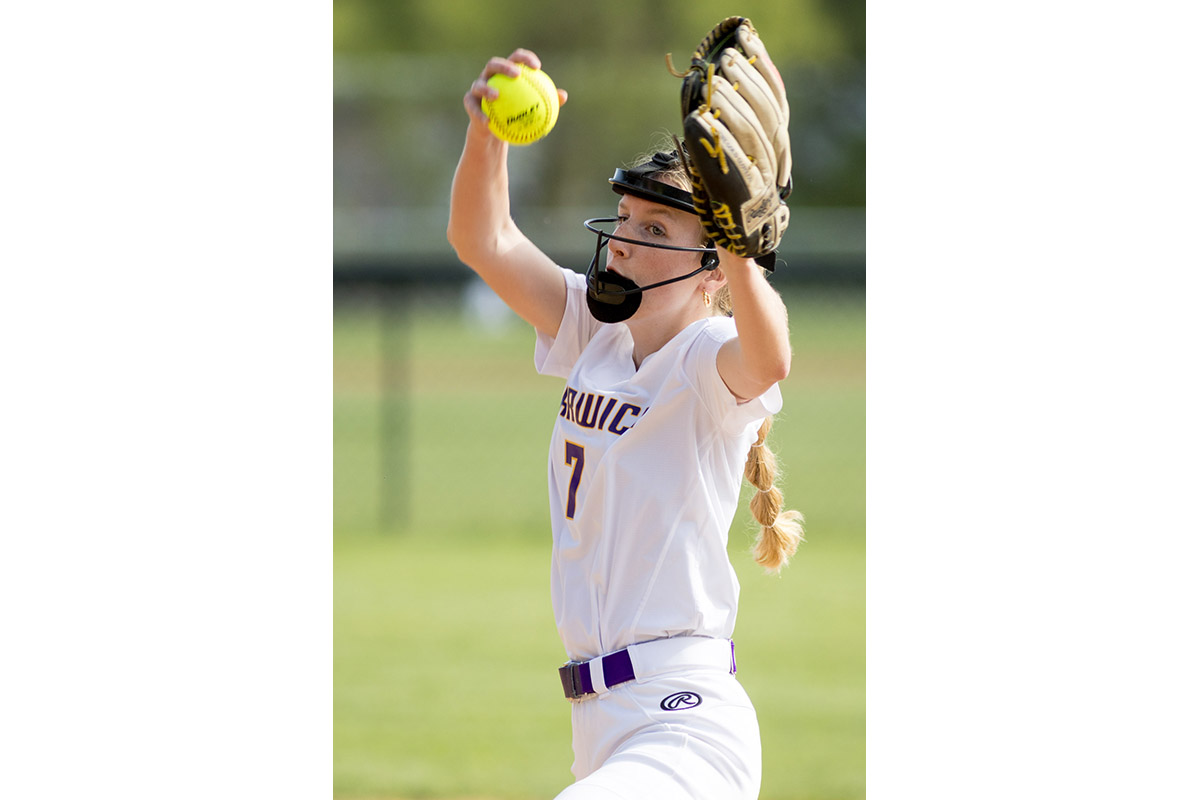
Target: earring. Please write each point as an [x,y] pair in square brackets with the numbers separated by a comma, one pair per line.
[707,299]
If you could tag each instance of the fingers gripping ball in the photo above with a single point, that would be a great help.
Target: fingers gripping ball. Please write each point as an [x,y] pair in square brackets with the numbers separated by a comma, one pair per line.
[526,108]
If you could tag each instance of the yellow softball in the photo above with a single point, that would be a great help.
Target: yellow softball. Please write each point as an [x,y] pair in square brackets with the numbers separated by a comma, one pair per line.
[526,108]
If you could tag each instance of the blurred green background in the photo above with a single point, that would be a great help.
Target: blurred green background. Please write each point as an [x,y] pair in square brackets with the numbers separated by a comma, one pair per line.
[444,642]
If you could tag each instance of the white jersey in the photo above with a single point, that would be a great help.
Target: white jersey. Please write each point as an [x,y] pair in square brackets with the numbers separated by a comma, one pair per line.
[645,472]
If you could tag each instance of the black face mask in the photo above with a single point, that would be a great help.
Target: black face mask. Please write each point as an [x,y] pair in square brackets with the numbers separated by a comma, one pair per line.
[615,298]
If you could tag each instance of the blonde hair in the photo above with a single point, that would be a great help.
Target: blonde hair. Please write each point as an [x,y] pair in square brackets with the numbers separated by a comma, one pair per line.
[780,532]
[676,176]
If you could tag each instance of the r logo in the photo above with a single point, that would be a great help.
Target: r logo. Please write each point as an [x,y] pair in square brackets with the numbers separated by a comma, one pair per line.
[680,701]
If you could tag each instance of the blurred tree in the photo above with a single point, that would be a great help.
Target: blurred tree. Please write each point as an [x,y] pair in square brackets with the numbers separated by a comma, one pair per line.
[808,30]
[400,71]
[851,21]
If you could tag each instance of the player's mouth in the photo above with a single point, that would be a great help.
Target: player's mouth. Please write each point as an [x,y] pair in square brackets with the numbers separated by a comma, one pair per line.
[617,272]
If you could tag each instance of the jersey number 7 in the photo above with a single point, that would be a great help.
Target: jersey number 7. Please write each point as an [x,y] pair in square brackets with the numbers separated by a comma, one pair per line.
[575,461]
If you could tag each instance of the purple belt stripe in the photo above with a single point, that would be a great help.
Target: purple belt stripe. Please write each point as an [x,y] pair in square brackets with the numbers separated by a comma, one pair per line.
[617,668]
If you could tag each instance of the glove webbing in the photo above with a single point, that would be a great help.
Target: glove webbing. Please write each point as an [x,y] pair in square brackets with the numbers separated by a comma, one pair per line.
[715,150]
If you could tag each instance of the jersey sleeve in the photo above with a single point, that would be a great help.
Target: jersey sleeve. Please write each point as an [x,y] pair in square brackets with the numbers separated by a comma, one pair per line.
[556,355]
[701,366]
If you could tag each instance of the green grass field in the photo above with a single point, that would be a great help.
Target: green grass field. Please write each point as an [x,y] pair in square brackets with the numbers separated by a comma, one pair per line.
[444,642]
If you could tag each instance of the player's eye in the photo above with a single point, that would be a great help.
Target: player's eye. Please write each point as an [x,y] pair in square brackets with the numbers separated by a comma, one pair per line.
[656,230]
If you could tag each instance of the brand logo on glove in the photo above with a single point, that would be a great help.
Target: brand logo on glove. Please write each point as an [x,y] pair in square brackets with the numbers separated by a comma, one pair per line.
[680,701]
[760,210]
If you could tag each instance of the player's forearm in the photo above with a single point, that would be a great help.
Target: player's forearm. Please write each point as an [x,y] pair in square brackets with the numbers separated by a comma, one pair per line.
[761,319]
[479,209]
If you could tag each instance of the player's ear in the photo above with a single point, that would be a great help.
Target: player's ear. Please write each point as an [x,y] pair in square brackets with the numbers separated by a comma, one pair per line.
[713,281]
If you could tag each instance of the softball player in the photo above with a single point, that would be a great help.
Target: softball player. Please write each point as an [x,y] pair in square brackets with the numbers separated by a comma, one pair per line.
[665,406]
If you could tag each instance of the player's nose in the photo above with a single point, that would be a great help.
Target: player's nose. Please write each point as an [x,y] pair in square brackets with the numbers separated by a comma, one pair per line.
[618,249]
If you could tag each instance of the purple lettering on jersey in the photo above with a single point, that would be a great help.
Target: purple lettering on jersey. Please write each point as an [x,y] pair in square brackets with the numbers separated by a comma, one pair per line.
[567,399]
[627,407]
[612,401]
[579,411]
[584,409]
[588,418]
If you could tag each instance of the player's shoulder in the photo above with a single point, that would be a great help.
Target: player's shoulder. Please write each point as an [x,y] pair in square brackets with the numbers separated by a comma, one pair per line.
[701,341]
[575,281]
[719,329]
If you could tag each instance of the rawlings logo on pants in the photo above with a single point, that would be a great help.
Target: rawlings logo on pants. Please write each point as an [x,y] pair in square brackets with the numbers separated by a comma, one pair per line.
[680,701]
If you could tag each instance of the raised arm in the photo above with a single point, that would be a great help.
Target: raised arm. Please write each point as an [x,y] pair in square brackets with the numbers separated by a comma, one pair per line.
[761,354]
[481,228]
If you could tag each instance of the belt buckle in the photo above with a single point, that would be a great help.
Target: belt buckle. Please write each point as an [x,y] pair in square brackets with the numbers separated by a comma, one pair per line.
[572,684]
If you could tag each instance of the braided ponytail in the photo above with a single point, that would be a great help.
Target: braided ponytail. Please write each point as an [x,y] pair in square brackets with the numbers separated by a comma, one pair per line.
[781,531]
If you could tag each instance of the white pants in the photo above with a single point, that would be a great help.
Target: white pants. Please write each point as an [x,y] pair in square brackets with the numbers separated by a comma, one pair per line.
[689,733]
